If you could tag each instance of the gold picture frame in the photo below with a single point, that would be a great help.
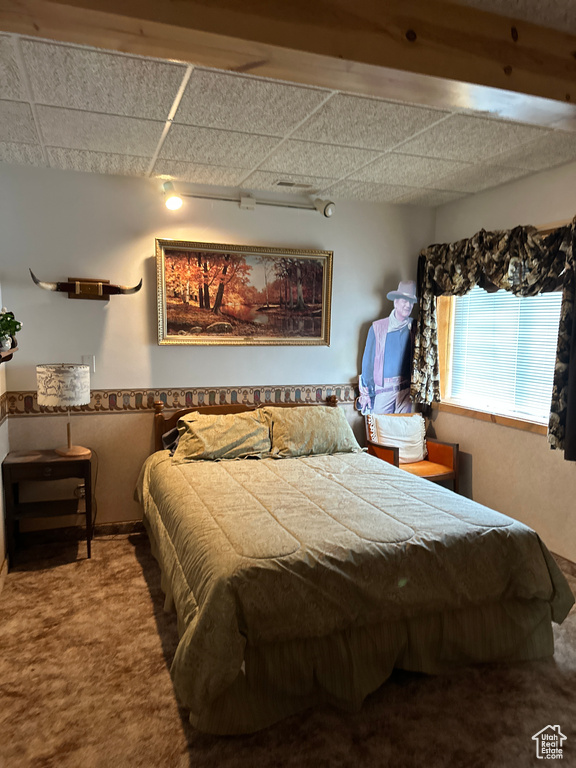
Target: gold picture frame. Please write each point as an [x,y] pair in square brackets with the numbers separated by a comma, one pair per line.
[212,293]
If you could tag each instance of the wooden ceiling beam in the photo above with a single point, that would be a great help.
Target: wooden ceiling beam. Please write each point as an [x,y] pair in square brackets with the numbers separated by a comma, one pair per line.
[427,51]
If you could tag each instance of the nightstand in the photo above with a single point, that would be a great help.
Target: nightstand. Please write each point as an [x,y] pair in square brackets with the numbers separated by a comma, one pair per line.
[21,466]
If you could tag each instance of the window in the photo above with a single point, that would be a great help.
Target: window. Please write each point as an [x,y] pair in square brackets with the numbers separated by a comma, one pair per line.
[497,352]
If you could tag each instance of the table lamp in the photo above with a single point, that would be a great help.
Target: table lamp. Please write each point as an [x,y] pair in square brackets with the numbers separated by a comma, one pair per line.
[64,385]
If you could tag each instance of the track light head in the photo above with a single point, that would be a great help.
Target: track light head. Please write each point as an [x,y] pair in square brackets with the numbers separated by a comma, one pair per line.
[325,207]
[173,200]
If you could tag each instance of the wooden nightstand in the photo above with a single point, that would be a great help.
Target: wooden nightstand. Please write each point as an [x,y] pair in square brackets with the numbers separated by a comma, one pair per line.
[21,466]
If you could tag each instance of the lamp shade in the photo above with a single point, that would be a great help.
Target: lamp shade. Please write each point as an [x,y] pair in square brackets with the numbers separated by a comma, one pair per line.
[63,384]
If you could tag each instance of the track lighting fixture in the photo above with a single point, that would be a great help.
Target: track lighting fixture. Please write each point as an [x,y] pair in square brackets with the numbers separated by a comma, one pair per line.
[173,201]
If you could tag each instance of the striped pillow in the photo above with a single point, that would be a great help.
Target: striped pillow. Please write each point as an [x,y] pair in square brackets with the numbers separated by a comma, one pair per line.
[406,431]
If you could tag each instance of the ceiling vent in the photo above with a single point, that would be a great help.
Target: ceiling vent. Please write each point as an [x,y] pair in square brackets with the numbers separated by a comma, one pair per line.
[293,185]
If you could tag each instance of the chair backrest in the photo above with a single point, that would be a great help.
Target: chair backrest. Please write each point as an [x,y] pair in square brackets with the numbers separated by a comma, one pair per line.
[405,431]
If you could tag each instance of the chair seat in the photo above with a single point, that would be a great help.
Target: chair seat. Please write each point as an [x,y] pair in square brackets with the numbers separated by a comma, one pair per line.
[428,469]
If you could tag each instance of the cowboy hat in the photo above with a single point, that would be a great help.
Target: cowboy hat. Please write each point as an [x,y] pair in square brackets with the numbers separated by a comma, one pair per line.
[406,290]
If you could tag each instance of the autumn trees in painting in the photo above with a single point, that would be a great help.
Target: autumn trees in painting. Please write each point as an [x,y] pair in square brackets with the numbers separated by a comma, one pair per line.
[252,294]
[200,278]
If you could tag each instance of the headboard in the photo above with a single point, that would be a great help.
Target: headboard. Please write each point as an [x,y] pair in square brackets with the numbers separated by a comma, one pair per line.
[165,422]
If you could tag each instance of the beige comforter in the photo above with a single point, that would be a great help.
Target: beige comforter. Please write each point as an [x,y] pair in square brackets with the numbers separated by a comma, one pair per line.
[262,552]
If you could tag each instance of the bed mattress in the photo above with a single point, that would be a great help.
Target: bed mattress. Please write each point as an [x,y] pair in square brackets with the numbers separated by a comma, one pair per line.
[312,577]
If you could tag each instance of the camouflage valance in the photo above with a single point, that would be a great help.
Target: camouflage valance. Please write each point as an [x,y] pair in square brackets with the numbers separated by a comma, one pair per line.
[519,260]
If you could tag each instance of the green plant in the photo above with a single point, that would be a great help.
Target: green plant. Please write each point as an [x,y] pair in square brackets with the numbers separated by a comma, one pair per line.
[8,323]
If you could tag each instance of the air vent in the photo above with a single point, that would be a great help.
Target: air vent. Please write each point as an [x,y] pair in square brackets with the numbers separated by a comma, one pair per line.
[293,185]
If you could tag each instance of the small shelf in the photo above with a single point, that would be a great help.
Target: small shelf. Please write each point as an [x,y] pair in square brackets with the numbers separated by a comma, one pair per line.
[55,508]
[5,356]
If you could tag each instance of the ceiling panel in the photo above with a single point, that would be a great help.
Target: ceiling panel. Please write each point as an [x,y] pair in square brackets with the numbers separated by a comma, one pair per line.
[80,78]
[197,173]
[475,178]
[368,123]
[547,151]
[359,190]
[97,162]
[268,181]
[11,85]
[214,147]
[21,154]
[470,139]
[102,133]
[305,157]
[246,104]
[409,170]
[430,198]
[17,123]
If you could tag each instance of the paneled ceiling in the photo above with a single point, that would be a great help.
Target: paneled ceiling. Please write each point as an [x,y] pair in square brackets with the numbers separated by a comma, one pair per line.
[84,109]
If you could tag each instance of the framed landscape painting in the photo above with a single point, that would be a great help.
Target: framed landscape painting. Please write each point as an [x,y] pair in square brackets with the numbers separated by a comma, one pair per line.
[210,293]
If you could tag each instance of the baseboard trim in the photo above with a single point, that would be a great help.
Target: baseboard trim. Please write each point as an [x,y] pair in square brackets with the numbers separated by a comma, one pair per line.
[115,529]
[78,533]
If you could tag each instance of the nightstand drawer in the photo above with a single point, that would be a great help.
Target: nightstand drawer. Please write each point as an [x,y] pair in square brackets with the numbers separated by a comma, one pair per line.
[46,471]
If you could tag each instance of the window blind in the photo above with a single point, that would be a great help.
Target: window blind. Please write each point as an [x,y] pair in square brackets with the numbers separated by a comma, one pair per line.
[503,352]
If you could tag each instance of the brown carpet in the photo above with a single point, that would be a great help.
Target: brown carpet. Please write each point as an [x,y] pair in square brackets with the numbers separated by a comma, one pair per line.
[84,654]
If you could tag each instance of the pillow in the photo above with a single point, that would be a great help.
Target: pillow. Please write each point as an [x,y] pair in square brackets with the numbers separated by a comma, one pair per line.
[308,430]
[222,436]
[407,432]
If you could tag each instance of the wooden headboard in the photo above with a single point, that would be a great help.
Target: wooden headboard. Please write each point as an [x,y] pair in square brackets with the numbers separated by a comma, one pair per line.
[165,422]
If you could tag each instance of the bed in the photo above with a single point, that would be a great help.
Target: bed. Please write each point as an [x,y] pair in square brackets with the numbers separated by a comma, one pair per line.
[304,570]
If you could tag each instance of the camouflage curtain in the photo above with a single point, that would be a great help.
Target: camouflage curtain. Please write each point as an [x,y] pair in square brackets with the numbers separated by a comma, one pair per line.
[523,262]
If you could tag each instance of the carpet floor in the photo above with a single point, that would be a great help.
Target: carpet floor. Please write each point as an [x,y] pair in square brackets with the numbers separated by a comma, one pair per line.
[85,649]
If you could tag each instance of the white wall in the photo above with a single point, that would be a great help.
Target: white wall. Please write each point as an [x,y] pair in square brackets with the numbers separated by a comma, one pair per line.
[65,224]
[544,198]
[79,225]
[513,471]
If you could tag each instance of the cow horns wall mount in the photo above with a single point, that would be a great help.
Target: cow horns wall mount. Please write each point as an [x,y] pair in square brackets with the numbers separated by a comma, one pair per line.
[86,288]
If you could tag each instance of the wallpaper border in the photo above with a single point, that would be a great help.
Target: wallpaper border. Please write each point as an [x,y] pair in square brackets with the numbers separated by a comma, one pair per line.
[135,400]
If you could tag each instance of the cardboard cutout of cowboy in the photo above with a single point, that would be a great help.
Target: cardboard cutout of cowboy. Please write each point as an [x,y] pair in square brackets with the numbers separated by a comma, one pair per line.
[387,360]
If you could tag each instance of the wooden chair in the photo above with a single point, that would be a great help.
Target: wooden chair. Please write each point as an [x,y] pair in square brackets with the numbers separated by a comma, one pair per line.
[440,464]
